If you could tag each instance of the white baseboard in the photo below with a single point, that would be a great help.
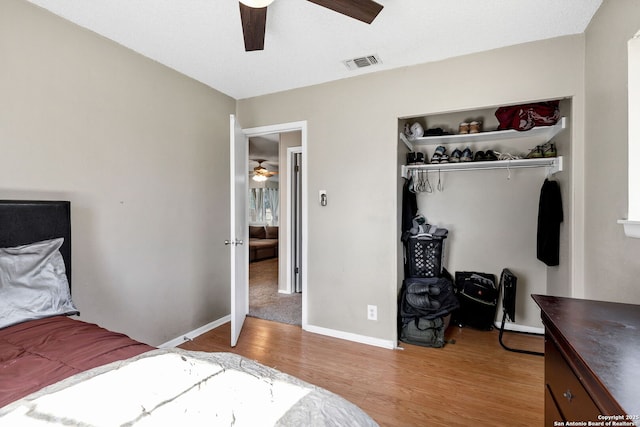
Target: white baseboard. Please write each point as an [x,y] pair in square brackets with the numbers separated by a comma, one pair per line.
[520,328]
[363,339]
[196,332]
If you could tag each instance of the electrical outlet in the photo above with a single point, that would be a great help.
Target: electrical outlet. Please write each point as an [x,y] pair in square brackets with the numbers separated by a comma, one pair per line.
[372,312]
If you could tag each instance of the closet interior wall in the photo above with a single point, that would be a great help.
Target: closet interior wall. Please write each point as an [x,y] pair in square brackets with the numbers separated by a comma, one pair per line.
[492,215]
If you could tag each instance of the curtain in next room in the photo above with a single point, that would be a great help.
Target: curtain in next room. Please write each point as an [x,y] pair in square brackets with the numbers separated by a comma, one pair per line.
[264,205]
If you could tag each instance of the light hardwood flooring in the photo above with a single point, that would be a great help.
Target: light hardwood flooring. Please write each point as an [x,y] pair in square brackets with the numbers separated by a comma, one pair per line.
[474,382]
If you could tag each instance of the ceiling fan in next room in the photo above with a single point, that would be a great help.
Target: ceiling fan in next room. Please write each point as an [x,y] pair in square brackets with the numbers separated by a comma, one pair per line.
[253,14]
[260,173]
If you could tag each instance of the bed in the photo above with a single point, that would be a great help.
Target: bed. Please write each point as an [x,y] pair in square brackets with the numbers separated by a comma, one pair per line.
[58,370]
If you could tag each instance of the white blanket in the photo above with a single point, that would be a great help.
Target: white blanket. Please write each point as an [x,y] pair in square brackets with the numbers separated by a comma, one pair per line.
[180,388]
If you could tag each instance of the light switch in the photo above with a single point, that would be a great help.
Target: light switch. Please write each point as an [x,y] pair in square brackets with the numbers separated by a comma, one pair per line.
[323,197]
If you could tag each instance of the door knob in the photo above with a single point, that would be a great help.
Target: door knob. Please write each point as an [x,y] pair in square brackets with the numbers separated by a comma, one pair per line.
[239,242]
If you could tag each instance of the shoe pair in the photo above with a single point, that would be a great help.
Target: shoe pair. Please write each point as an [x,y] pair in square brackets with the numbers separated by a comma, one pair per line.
[422,301]
[440,155]
[485,156]
[461,156]
[423,288]
[472,127]
[415,158]
[507,156]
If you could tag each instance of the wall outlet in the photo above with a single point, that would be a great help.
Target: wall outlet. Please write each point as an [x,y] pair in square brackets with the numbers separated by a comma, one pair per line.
[372,312]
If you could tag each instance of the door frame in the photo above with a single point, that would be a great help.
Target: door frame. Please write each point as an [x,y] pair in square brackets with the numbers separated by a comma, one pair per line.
[289,251]
[300,126]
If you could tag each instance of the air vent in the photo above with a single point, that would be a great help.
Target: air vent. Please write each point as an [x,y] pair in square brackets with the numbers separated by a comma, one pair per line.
[365,61]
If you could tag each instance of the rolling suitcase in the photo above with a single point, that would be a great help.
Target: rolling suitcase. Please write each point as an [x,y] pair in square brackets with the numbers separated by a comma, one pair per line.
[478,297]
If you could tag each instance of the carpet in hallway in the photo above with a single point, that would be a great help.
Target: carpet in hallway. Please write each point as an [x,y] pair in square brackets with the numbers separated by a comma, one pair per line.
[264,300]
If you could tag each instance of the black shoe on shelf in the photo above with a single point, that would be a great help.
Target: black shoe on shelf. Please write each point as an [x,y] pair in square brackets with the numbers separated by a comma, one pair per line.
[491,155]
[479,157]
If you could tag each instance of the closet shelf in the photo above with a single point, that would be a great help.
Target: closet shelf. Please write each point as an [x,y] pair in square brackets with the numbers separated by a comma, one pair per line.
[535,136]
[553,163]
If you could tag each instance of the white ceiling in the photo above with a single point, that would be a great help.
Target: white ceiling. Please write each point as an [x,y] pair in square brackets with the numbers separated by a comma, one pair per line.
[305,44]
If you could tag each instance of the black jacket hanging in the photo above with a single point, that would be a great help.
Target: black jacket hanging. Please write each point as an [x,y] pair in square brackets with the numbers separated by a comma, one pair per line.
[550,216]
[409,210]
[409,206]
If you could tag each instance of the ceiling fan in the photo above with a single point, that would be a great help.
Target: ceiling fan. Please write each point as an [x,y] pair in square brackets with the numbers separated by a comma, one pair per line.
[260,173]
[253,14]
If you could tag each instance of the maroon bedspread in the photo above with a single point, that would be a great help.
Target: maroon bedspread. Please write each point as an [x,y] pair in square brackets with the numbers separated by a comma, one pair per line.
[41,352]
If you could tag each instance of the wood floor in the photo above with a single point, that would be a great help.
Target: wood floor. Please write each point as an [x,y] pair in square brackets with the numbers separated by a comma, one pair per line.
[474,382]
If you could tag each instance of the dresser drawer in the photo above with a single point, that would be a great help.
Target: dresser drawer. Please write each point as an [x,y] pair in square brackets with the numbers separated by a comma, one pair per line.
[551,411]
[571,398]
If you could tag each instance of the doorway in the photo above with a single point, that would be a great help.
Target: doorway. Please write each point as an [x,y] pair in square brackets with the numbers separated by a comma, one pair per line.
[276,297]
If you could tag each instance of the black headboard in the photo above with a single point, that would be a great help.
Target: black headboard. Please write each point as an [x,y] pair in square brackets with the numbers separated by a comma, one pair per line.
[28,221]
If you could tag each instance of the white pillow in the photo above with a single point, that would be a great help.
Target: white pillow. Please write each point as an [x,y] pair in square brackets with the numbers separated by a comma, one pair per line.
[33,283]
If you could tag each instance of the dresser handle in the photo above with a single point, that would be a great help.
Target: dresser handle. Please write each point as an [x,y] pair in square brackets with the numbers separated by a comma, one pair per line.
[568,395]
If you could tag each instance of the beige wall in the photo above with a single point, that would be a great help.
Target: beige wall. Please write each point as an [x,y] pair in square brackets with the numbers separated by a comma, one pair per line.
[352,150]
[612,261]
[138,149]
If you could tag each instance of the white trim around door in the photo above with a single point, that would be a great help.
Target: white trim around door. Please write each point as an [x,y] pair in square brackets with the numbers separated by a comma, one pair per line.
[302,128]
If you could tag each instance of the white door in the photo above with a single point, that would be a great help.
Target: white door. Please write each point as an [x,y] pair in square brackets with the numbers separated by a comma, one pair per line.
[239,161]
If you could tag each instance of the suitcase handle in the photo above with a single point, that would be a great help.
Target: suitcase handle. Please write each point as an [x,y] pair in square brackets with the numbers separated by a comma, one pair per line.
[477,300]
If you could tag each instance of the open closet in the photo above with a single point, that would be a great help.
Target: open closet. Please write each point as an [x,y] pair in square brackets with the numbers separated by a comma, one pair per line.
[490,205]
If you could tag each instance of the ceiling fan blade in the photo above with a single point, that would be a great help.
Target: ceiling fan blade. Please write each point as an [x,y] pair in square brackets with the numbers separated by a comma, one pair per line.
[362,10]
[254,22]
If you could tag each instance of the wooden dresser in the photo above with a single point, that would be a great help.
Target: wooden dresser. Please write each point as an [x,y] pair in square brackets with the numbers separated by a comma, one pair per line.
[592,361]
